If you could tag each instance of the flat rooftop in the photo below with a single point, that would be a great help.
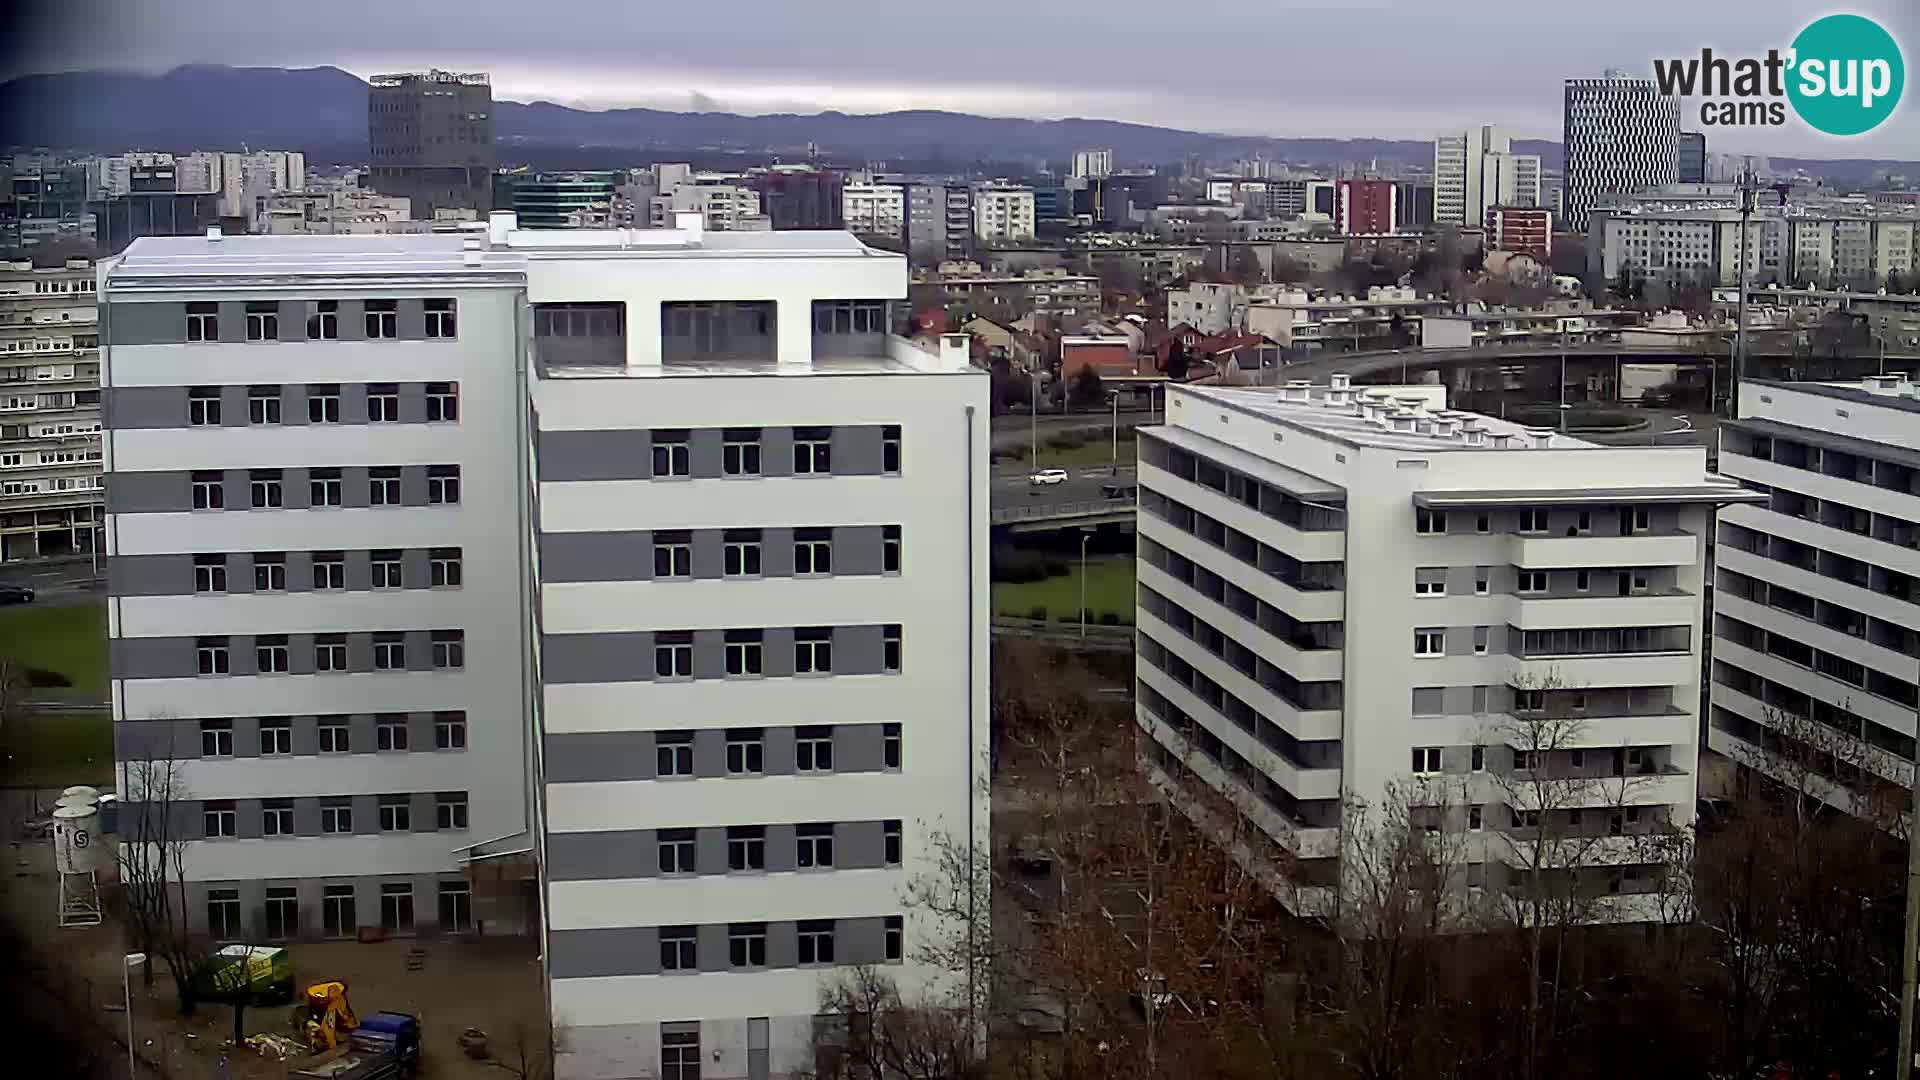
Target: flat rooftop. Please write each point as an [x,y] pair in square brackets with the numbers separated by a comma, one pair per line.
[1862,392]
[1318,416]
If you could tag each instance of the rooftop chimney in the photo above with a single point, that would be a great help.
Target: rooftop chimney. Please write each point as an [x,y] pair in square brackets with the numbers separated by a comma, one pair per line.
[1539,438]
[1413,403]
[1474,434]
[1297,390]
[213,234]
[1340,381]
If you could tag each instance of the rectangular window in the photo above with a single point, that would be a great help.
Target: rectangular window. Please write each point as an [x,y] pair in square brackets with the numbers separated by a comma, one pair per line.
[449,731]
[324,323]
[209,573]
[746,847]
[1483,523]
[673,654]
[1479,759]
[890,746]
[389,651]
[891,837]
[456,907]
[396,813]
[746,752]
[1533,521]
[325,487]
[444,568]
[337,916]
[276,736]
[815,846]
[263,489]
[890,648]
[673,754]
[223,914]
[1583,523]
[747,945]
[336,816]
[443,485]
[890,549]
[443,402]
[671,453]
[209,490]
[1426,759]
[816,941]
[1429,522]
[203,322]
[890,450]
[396,906]
[743,653]
[676,851]
[203,406]
[740,452]
[812,551]
[672,555]
[219,818]
[1639,520]
[813,650]
[680,1054]
[449,649]
[1429,642]
[383,319]
[1480,639]
[323,403]
[329,570]
[1473,818]
[263,404]
[849,316]
[450,809]
[383,403]
[216,738]
[390,732]
[386,568]
[1429,581]
[276,817]
[211,654]
[335,735]
[678,953]
[440,322]
[1582,581]
[813,749]
[1532,581]
[740,556]
[812,451]
[330,652]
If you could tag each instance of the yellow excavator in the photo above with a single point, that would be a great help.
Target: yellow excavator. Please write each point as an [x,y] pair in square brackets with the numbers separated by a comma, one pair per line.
[327,1016]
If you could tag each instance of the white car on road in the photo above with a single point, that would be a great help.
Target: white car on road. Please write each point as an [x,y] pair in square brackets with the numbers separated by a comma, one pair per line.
[1047,476]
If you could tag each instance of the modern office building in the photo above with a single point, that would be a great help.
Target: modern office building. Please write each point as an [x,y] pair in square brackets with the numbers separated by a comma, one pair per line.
[50,487]
[1346,590]
[567,200]
[431,137]
[1476,169]
[1817,596]
[679,609]
[1093,164]
[799,196]
[1693,157]
[1621,134]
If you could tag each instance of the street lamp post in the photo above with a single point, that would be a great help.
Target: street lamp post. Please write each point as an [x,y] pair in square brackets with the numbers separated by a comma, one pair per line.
[134,960]
[1115,469]
[1085,535]
[1033,420]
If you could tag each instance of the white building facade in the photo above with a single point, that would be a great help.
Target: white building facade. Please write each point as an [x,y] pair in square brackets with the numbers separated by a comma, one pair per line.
[1621,134]
[878,210]
[1002,215]
[1346,593]
[50,456]
[1475,170]
[1093,164]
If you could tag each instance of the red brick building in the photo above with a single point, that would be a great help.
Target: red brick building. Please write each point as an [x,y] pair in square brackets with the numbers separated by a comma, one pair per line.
[1365,207]
[1527,230]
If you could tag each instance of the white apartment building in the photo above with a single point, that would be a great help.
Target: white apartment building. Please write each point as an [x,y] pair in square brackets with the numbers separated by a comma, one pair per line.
[1621,134]
[1813,248]
[878,210]
[1344,588]
[723,207]
[1475,170]
[1002,214]
[1210,307]
[1817,596]
[721,555]
[1093,164]
[50,458]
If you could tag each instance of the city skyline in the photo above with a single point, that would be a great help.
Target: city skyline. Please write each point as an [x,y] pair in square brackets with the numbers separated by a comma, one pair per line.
[1391,82]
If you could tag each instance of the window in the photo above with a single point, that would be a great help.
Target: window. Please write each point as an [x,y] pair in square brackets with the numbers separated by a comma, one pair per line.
[673,754]
[671,453]
[673,654]
[1480,639]
[386,568]
[324,323]
[396,905]
[443,402]
[1639,520]
[1429,642]
[813,650]
[740,556]
[1429,580]
[849,317]
[383,403]
[390,732]
[396,813]
[264,490]
[440,322]
[747,945]
[1637,581]
[389,652]
[450,810]
[1479,759]
[203,322]
[456,907]
[276,817]
[1526,819]
[335,735]
[324,487]
[812,451]
[815,850]
[894,935]
[1473,818]
[1532,581]
[746,847]
[276,736]
[743,653]
[211,654]
[330,652]
[337,916]
[1429,522]
[323,403]
[443,485]
[1529,700]
[890,841]
[209,573]
[1526,760]
[209,491]
[223,913]
[890,450]
[1483,523]
[203,406]
[219,818]
[740,452]
[890,549]
[263,404]
[1426,759]
[812,551]
[672,555]
[216,738]
[1533,521]
[890,648]
[679,1051]
[813,749]
[1582,581]
[449,731]
[816,941]
[746,752]
[383,319]
[443,566]
[1583,523]
[449,649]
[676,850]
[890,746]
[329,570]
[336,815]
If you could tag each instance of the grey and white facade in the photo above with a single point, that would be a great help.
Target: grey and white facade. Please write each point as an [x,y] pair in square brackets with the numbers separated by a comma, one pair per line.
[1817,596]
[722,601]
[50,486]
[1346,592]
[1621,134]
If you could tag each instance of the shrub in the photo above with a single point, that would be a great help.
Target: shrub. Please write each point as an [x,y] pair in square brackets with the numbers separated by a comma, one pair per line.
[1038,613]
[1109,619]
[42,679]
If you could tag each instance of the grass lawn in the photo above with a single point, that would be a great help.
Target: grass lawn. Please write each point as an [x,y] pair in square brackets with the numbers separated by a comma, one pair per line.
[58,749]
[1109,589]
[1097,452]
[69,640]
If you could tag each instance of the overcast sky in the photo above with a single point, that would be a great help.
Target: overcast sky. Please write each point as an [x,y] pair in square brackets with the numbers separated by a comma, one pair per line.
[1389,68]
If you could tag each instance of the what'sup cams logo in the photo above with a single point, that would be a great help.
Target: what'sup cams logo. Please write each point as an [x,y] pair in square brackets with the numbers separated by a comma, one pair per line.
[1843,76]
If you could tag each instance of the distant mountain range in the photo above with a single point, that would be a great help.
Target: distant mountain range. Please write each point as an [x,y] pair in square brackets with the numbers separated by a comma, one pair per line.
[323,111]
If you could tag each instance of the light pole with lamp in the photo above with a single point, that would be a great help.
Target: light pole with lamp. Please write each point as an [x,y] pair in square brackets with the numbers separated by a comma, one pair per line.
[1085,535]
[134,961]
[1114,469]
[1033,420]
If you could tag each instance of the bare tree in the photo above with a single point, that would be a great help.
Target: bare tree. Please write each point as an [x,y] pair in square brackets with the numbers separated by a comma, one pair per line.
[864,1030]
[153,836]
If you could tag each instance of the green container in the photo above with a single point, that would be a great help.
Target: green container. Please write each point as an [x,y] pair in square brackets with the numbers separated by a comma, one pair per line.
[250,974]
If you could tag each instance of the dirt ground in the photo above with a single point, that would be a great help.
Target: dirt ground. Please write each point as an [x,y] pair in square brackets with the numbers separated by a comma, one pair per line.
[491,985]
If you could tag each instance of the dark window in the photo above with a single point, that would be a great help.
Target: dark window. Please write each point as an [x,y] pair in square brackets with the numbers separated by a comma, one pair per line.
[673,753]
[383,318]
[324,323]
[671,453]
[203,406]
[890,449]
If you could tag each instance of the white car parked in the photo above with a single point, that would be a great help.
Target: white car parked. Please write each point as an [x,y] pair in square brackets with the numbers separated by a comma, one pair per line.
[1047,476]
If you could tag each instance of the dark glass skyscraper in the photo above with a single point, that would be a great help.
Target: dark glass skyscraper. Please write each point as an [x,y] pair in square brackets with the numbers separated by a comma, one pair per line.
[431,138]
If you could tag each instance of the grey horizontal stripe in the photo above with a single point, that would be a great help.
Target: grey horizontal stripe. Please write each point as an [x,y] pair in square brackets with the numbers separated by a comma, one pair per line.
[171,491]
[131,408]
[598,757]
[601,953]
[165,322]
[629,656]
[635,853]
[178,657]
[173,575]
[629,556]
[627,454]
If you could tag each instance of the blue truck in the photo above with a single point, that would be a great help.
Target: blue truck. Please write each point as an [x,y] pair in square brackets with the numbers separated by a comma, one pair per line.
[386,1046]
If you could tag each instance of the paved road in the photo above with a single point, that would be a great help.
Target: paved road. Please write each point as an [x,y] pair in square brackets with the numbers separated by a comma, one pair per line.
[1010,487]
[57,584]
